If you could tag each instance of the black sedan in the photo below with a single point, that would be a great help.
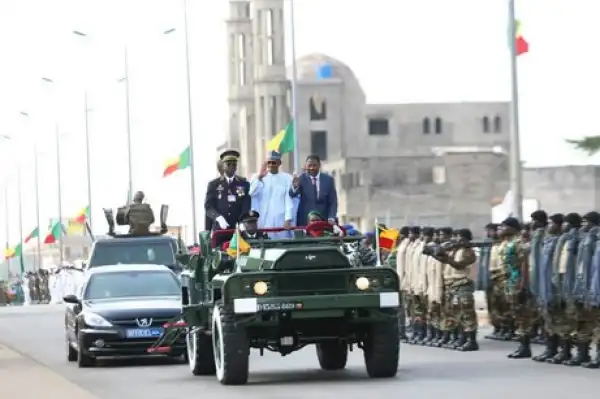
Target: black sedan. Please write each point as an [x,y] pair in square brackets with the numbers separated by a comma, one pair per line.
[120,310]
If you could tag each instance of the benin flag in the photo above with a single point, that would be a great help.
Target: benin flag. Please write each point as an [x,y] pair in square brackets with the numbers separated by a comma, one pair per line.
[9,253]
[238,245]
[283,142]
[179,163]
[521,45]
[82,215]
[34,234]
[54,233]
[388,238]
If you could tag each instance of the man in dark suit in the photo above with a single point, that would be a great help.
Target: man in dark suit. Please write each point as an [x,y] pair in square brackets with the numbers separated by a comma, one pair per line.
[317,192]
[207,221]
[227,197]
[251,232]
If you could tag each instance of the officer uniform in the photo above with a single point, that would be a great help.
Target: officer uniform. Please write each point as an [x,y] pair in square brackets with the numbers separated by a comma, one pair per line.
[251,218]
[227,197]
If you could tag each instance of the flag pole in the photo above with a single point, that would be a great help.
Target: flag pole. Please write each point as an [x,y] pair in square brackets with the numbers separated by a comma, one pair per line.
[190,121]
[377,248]
[20,198]
[516,173]
[37,204]
[294,89]
[59,190]
[88,161]
[6,218]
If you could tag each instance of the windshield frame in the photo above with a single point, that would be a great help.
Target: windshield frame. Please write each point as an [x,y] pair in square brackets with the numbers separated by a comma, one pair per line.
[89,282]
[110,245]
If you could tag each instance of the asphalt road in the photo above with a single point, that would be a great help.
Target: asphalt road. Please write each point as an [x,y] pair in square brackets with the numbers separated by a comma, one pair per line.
[37,332]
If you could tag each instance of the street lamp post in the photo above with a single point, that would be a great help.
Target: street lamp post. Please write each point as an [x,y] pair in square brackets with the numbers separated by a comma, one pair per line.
[36,173]
[190,116]
[88,161]
[6,211]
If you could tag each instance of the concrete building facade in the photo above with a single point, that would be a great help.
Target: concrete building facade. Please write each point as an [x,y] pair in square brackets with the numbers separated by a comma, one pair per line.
[438,163]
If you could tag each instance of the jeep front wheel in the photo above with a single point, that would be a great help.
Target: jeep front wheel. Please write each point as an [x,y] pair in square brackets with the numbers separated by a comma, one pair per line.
[382,349]
[332,355]
[200,354]
[231,348]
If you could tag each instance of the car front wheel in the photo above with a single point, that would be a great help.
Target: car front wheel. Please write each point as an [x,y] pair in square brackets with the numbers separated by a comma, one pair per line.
[83,360]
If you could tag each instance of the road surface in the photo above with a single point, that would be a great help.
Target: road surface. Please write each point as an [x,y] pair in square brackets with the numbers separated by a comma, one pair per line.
[34,345]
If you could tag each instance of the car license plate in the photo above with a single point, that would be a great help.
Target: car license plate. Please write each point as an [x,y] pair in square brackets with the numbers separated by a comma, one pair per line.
[143,332]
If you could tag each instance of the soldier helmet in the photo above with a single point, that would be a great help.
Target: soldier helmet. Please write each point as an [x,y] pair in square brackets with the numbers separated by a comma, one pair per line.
[138,196]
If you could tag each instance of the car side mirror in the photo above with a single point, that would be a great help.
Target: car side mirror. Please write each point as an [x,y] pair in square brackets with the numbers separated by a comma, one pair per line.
[71,299]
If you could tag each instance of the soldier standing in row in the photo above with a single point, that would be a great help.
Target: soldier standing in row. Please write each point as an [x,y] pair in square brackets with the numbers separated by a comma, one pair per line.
[548,299]
[482,282]
[227,197]
[594,301]
[580,309]
[539,224]
[449,333]
[434,273]
[397,260]
[418,284]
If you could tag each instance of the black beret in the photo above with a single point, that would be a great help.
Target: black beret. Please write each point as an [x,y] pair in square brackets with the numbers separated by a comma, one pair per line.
[558,218]
[512,222]
[415,230]
[404,230]
[465,234]
[574,219]
[540,216]
[428,231]
[593,217]
[491,226]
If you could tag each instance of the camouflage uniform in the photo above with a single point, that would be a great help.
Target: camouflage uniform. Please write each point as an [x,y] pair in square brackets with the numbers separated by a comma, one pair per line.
[140,217]
[417,281]
[498,305]
[459,303]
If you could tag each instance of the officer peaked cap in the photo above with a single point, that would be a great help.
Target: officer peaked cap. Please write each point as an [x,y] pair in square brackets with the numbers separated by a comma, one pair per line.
[250,216]
[230,156]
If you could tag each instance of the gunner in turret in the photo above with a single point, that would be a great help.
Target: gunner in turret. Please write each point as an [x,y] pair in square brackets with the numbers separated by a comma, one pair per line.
[139,215]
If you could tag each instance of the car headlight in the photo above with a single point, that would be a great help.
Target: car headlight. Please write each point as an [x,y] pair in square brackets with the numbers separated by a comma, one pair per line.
[260,288]
[94,320]
[362,283]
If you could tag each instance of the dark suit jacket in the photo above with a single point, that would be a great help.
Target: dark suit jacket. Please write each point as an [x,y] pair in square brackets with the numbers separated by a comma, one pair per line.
[217,203]
[326,203]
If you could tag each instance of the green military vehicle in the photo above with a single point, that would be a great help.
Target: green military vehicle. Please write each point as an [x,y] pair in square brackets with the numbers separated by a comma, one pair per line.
[282,296]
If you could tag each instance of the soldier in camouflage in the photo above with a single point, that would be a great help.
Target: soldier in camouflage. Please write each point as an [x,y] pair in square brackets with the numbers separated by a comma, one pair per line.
[539,224]
[594,302]
[139,215]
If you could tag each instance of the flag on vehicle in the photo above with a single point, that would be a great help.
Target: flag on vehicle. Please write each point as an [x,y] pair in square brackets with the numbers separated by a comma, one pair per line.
[82,215]
[238,245]
[34,234]
[388,238]
[54,233]
[183,161]
[283,142]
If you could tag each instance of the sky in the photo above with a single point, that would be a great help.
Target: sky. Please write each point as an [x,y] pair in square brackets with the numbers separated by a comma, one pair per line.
[400,50]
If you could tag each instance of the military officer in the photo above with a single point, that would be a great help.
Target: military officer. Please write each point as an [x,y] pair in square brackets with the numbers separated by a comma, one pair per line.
[251,232]
[139,215]
[227,196]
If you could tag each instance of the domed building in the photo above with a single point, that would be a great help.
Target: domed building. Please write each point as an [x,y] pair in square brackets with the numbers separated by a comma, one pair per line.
[435,164]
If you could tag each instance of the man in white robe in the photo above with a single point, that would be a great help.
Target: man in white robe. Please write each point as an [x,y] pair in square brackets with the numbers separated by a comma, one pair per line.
[269,191]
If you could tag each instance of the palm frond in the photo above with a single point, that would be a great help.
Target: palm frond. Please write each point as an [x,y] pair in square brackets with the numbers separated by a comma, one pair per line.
[589,144]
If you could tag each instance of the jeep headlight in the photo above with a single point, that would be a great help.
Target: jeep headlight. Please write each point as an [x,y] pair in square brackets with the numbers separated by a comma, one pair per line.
[94,320]
[260,288]
[362,283]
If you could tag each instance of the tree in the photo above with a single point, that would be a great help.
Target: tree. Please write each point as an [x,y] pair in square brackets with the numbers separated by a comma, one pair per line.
[589,144]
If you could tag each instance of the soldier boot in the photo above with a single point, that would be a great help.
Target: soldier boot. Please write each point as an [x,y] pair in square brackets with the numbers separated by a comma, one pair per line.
[523,351]
[564,353]
[459,341]
[582,355]
[594,364]
[507,333]
[429,336]
[436,338]
[550,351]
[470,344]
[443,341]
[536,337]
[496,334]
[418,333]
[452,338]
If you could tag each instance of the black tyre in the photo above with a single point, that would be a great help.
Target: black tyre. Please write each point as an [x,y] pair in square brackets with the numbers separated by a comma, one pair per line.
[332,355]
[382,349]
[83,360]
[71,352]
[199,354]
[231,348]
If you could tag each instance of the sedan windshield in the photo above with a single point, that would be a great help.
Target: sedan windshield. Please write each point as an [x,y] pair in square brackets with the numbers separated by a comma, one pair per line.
[157,253]
[132,284]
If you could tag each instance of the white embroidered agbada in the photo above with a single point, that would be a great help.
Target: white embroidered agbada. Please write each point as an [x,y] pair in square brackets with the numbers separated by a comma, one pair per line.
[271,199]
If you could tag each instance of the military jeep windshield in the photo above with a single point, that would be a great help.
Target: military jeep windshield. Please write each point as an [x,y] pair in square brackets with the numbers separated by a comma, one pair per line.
[152,250]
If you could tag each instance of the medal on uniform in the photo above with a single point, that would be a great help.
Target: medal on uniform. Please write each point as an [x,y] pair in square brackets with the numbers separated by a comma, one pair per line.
[240,191]
[220,189]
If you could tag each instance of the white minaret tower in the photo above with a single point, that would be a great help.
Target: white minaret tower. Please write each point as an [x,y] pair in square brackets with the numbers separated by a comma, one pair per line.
[241,133]
[271,85]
